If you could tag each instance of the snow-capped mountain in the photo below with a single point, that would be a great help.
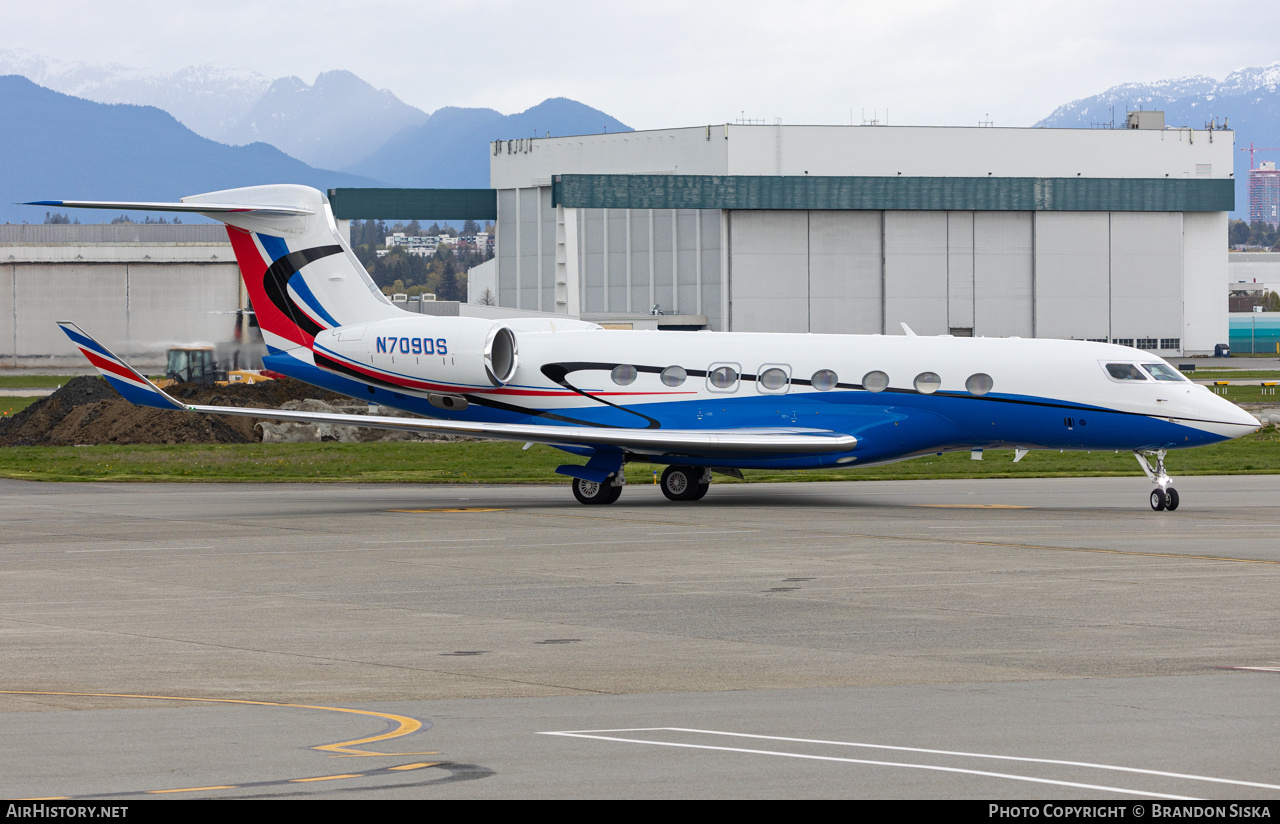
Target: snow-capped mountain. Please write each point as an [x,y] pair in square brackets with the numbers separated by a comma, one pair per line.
[209,100]
[1248,99]
[332,124]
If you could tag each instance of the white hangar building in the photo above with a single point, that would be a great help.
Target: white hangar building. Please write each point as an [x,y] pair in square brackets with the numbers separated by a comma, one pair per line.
[1101,234]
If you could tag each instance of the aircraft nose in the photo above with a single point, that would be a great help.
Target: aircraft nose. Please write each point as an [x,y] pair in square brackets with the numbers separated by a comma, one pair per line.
[1223,410]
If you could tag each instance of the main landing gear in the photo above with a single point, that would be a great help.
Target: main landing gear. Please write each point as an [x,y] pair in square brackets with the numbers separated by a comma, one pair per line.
[590,492]
[679,483]
[1164,496]
[685,483]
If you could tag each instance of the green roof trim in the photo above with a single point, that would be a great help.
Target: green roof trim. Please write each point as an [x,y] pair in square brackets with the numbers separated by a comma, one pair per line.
[1021,194]
[411,204]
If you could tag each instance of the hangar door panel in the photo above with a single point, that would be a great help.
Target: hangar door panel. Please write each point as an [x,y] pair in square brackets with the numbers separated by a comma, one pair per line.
[640,247]
[591,259]
[181,302]
[1072,278]
[844,272]
[915,272]
[1002,274]
[960,227]
[1146,276]
[508,262]
[769,288]
[8,314]
[53,292]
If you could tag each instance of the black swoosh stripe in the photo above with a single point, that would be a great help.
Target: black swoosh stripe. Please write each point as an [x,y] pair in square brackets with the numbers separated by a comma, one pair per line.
[276,284]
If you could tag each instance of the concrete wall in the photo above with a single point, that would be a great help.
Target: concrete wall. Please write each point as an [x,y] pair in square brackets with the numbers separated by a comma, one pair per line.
[1098,276]
[867,151]
[139,289]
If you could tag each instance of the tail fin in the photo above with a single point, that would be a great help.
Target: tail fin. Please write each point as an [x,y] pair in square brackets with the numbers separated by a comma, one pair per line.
[300,274]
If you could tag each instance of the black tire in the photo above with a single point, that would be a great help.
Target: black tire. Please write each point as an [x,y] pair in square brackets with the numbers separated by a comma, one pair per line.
[592,493]
[1158,500]
[680,483]
[700,492]
[1171,499]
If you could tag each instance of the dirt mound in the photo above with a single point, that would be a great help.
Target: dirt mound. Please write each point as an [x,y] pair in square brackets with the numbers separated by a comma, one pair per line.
[86,410]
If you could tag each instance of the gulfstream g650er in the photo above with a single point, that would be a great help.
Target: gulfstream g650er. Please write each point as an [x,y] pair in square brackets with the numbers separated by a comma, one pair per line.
[696,401]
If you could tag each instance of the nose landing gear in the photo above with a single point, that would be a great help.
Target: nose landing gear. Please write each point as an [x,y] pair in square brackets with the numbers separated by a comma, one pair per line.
[1164,496]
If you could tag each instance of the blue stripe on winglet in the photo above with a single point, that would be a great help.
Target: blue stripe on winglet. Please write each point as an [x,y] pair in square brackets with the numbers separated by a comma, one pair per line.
[87,342]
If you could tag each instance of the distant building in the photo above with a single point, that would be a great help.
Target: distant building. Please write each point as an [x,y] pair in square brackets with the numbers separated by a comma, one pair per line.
[1098,234]
[140,289]
[426,245]
[1264,193]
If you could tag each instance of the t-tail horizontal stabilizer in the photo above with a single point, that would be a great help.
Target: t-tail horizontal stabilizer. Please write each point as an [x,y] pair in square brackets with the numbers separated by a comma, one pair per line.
[194,207]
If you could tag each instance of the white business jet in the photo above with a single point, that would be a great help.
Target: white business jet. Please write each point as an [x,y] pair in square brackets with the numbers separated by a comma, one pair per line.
[698,402]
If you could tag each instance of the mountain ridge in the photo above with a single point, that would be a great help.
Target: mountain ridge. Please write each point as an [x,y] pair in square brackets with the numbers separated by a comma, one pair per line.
[70,148]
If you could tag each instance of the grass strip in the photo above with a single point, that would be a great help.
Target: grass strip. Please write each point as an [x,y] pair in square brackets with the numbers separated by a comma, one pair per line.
[33,381]
[12,405]
[507,463]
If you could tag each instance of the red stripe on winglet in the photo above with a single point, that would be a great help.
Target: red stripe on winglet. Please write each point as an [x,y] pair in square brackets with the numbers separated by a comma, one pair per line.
[108,366]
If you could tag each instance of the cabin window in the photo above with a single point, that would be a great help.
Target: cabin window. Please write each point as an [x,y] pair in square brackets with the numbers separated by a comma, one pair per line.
[673,376]
[928,382]
[773,379]
[1125,372]
[1163,372]
[824,380]
[623,375]
[875,381]
[979,384]
[724,377]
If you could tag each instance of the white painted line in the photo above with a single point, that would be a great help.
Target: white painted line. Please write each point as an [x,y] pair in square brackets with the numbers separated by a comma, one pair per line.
[908,766]
[425,540]
[1088,764]
[139,549]
[727,532]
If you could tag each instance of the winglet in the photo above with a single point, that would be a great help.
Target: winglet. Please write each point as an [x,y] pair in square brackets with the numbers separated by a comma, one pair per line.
[126,380]
[906,330]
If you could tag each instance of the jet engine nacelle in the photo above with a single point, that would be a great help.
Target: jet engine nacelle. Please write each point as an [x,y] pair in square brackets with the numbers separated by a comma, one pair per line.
[425,353]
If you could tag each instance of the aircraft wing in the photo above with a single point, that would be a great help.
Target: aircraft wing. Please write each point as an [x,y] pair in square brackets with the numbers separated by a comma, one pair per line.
[136,388]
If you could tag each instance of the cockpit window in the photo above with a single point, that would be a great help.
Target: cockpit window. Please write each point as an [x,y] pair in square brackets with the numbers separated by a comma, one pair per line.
[1125,372]
[1163,372]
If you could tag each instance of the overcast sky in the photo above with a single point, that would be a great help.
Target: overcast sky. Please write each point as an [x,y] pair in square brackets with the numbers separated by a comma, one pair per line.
[665,63]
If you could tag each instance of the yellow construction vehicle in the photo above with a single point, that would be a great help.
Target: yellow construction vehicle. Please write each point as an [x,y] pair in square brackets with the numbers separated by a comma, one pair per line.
[196,364]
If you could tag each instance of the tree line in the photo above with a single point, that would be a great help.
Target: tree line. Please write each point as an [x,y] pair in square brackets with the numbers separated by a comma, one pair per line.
[442,273]
[1256,235]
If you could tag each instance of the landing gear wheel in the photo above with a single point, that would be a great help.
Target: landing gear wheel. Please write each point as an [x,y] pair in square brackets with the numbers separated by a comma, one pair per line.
[1164,496]
[700,492]
[591,493]
[680,483]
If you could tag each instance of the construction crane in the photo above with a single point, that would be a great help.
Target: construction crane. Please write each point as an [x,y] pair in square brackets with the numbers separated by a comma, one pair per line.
[1253,149]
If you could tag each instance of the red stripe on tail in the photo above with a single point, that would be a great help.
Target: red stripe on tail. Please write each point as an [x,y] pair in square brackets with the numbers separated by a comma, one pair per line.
[253,269]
